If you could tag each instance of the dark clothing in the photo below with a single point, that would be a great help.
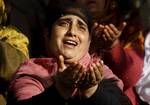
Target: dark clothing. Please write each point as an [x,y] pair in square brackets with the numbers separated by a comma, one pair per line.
[107,94]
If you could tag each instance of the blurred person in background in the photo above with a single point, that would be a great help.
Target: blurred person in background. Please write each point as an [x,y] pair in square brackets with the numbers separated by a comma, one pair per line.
[143,85]
[13,50]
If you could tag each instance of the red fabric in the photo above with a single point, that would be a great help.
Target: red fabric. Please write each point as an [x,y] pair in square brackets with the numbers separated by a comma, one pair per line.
[127,65]
[26,87]
[130,92]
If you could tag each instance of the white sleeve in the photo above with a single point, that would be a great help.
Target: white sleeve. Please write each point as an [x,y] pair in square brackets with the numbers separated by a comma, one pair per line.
[143,85]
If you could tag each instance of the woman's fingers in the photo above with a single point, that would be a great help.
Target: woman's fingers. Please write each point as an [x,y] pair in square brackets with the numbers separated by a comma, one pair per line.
[109,33]
[97,29]
[99,71]
[78,72]
[116,31]
[122,26]
[96,73]
[92,75]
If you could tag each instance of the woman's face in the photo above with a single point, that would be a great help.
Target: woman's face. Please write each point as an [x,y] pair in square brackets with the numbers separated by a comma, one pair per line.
[95,6]
[70,38]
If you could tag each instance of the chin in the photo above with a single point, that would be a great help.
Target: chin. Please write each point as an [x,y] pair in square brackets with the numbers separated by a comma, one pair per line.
[67,55]
[69,59]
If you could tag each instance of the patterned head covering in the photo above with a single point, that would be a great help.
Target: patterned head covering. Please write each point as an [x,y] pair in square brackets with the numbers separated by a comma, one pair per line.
[15,38]
[11,34]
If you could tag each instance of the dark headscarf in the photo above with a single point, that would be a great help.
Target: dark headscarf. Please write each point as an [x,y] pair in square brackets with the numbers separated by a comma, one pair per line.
[71,8]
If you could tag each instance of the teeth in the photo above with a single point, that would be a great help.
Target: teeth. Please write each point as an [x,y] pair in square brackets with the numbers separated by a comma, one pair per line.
[71,42]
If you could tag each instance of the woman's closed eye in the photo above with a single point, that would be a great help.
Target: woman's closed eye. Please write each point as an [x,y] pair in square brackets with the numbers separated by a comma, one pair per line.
[82,28]
[63,23]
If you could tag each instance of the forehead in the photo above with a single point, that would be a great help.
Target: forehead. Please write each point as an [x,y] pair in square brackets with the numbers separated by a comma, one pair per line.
[72,17]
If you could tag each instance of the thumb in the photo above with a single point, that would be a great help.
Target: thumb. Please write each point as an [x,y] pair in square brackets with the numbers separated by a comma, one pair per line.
[94,26]
[61,63]
[122,26]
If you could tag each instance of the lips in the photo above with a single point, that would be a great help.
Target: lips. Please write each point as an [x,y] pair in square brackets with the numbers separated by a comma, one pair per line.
[71,42]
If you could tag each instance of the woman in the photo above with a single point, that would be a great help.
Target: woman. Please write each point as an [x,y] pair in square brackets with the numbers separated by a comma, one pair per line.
[13,50]
[70,75]
[119,43]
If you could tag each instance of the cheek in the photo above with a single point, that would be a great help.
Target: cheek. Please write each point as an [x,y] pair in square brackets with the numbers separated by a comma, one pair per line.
[85,40]
[57,34]
[56,38]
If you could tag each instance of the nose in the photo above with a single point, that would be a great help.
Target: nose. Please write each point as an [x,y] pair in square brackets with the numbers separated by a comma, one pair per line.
[71,31]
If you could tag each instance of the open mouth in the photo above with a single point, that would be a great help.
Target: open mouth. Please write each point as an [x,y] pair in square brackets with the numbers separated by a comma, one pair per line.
[70,42]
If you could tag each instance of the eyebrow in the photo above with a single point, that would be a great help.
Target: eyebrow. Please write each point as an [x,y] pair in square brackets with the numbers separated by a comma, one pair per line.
[69,19]
[82,23]
[64,19]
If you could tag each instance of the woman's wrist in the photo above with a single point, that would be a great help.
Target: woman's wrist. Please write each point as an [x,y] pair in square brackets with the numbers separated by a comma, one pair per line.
[88,92]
